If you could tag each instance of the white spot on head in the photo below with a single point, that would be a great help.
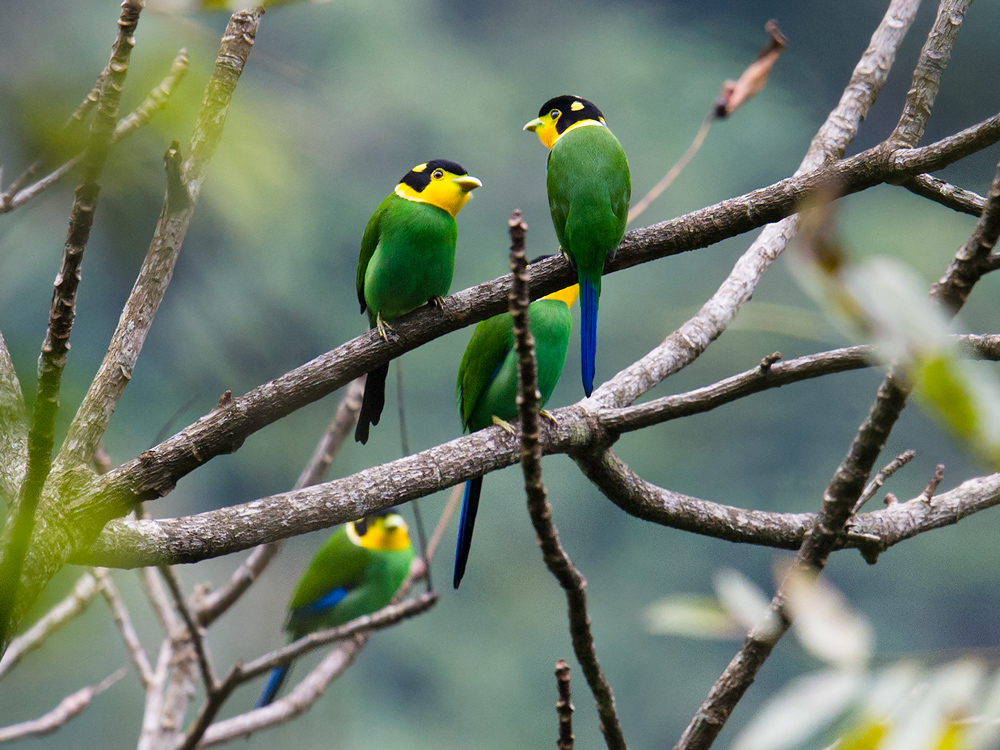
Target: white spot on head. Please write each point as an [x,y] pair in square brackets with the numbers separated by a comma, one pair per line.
[576,106]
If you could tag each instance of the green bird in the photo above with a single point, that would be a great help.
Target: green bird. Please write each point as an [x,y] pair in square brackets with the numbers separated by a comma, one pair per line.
[357,571]
[408,258]
[589,187]
[488,384]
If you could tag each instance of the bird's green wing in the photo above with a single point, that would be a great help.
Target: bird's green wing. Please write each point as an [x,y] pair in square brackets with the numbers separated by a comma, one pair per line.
[490,343]
[338,563]
[369,241]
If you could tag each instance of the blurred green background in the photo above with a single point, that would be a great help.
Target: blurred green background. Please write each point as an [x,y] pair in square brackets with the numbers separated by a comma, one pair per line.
[337,102]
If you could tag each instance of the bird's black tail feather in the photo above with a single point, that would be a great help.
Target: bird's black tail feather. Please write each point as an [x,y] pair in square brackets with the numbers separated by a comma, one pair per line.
[274,682]
[372,403]
[470,507]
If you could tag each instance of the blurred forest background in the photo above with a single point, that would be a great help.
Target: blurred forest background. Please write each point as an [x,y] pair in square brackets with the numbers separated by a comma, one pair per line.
[337,102]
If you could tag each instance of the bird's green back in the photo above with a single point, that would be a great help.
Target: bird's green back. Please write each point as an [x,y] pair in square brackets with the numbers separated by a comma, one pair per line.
[487,376]
[339,562]
[589,188]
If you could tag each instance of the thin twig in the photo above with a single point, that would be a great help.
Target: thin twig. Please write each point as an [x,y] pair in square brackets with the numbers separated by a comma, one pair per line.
[932,485]
[73,605]
[672,174]
[17,194]
[41,433]
[558,562]
[195,632]
[879,479]
[124,622]
[952,196]
[69,708]
[564,707]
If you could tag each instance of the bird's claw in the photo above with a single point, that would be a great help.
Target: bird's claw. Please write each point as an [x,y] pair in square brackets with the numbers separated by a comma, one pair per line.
[505,426]
[382,326]
[437,301]
[548,415]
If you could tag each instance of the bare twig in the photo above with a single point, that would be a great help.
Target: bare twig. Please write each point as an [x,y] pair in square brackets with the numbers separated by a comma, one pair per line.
[159,599]
[564,707]
[69,708]
[73,605]
[673,173]
[17,194]
[92,417]
[385,617]
[41,437]
[879,479]
[932,485]
[124,622]
[952,196]
[196,633]
[558,562]
[210,606]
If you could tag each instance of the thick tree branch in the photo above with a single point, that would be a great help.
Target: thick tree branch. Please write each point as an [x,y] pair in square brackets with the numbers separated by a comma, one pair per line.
[132,543]
[13,427]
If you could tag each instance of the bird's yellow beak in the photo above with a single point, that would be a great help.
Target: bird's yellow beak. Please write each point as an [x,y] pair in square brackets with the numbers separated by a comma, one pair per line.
[467,182]
[534,125]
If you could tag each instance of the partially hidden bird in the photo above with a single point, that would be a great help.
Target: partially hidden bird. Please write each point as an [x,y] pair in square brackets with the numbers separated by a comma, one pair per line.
[589,187]
[488,384]
[408,258]
[357,571]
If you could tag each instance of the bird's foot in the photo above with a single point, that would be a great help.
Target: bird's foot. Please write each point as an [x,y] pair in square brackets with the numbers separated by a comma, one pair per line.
[437,301]
[382,326]
[505,426]
[548,415]
[568,257]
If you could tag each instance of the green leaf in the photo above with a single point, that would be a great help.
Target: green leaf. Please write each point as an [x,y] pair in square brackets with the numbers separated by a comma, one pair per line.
[692,616]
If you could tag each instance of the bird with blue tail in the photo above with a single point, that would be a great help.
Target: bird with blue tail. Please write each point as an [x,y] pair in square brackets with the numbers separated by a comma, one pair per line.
[407,258]
[589,187]
[488,384]
[357,571]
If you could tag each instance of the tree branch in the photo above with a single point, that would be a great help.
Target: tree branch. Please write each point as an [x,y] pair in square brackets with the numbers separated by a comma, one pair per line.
[558,562]
[124,622]
[564,707]
[17,194]
[41,433]
[92,418]
[73,605]
[13,427]
[209,606]
[69,708]
[952,196]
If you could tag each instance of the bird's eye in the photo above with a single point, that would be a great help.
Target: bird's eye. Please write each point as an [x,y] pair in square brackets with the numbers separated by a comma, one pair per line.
[438,174]
[554,114]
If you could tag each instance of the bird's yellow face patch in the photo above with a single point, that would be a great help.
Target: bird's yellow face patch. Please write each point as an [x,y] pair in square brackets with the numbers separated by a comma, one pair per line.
[443,187]
[544,127]
[383,533]
[562,114]
[567,295]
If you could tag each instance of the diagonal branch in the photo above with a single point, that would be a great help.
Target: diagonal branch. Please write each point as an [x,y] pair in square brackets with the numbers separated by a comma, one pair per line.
[92,418]
[17,194]
[13,427]
[41,433]
[952,196]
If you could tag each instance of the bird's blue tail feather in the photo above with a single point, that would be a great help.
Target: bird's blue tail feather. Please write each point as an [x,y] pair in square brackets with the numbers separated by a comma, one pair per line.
[588,333]
[470,506]
[278,675]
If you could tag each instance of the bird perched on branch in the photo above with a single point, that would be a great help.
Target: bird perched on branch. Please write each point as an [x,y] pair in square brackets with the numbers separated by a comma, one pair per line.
[357,571]
[589,187]
[488,384]
[408,257]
